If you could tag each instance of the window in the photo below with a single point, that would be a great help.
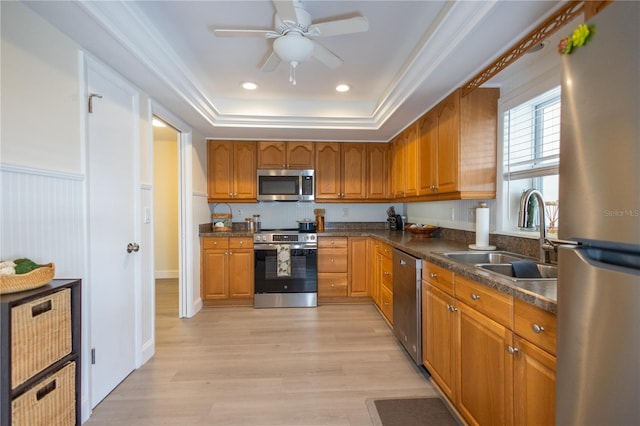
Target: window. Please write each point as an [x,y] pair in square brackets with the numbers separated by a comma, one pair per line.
[531,152]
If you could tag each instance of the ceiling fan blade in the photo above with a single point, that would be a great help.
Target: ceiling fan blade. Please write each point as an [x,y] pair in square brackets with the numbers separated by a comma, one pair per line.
[221,32]
[342,26]
[285,10]
[325,56]
[271,63]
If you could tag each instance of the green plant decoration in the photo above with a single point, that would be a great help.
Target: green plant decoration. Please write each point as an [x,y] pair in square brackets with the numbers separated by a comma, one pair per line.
[580,37]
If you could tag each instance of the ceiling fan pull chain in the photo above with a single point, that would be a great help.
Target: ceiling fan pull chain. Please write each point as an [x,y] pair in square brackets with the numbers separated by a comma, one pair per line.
[292,72]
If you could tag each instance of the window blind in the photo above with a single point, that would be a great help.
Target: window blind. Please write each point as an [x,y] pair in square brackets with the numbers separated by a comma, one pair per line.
[532,137]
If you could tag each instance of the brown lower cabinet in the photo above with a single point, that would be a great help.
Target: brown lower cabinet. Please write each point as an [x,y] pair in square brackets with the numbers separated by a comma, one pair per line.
[381,277]
[474,348]
[227,271]
[343,264]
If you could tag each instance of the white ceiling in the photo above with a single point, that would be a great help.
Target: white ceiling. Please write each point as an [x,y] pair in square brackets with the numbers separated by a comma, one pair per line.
[414,54]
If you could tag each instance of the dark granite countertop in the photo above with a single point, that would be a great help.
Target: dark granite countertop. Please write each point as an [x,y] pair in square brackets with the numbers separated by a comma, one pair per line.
[539,293]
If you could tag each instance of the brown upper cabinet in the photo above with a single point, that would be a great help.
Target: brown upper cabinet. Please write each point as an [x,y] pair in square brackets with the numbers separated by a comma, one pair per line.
[377,171]
[455,145]
[404,163]
[341,171]
[231,171]
[285,155]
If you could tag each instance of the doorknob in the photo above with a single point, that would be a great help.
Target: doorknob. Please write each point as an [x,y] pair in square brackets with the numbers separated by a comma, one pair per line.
[133,247]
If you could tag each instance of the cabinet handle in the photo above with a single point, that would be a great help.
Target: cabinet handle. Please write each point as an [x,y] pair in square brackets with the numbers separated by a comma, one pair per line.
[230,253]
[333,285]
[537,328]
[512,350]
[333,261]
[433,275]
[475,296]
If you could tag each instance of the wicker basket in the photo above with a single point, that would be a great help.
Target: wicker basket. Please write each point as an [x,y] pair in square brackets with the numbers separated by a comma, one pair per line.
[12,283]
[49,402]
[221,222]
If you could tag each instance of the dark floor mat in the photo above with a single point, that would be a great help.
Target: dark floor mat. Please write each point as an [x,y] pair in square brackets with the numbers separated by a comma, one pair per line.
[413,412]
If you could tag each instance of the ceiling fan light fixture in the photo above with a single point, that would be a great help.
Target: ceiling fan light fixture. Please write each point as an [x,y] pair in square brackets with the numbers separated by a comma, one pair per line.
[342,88]
[293,47]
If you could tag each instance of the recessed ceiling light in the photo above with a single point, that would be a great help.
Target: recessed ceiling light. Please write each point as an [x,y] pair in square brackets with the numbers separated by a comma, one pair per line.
[249,85]
[343,87]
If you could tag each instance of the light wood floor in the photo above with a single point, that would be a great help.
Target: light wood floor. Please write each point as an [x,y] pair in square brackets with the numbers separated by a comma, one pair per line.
[245,366]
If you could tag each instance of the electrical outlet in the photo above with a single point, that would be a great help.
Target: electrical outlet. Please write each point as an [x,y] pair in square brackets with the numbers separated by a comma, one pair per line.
[453,214]
[345,212]
[240,213]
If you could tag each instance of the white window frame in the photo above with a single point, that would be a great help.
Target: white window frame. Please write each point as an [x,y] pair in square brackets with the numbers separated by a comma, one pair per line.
[507,101]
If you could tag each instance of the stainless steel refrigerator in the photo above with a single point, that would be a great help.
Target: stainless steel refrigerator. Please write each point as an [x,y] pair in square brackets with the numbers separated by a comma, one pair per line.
[598,346]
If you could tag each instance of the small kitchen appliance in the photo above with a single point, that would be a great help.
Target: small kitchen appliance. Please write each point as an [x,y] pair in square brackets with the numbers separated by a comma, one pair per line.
[285,269]
[395,222]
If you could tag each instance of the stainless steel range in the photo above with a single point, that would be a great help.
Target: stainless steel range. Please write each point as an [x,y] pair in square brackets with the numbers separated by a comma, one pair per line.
[286,269]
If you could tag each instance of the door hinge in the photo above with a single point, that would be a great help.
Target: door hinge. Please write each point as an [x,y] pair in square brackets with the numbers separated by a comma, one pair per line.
[93,356]
[90,102]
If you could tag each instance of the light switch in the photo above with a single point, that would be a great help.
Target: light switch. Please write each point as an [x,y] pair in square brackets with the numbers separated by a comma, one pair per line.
[147,215]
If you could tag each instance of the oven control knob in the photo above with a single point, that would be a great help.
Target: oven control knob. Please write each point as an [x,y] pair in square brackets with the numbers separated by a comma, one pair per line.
[286,287]
[312,237]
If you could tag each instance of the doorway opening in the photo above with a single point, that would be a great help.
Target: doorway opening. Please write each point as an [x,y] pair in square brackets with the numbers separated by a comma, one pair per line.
[166,224]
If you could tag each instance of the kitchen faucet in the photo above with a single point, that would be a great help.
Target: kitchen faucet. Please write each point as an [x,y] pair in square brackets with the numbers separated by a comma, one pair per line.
[523,217]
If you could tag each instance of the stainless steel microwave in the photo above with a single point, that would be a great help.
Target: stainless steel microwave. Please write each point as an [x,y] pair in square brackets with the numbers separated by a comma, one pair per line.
[286,185]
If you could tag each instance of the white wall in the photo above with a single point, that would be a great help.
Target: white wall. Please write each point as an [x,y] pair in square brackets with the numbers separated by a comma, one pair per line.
[43,171]
[166,203]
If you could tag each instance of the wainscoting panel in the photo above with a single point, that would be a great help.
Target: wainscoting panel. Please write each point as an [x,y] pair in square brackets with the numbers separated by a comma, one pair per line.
[42,218]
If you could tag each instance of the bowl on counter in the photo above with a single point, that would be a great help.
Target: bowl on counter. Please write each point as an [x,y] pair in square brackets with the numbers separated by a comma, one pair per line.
[421,231]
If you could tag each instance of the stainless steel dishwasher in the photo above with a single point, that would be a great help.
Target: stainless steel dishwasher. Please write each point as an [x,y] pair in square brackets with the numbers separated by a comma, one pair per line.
[407,306]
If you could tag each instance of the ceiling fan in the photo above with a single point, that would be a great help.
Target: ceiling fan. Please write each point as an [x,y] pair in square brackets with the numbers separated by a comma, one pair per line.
[293,36]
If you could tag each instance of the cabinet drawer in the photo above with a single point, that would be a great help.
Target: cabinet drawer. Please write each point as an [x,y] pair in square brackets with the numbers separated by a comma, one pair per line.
[386,304]
[40,334]
[439,277]
[387,273]
[332,260]
[497,306]
[332,284]
[51,401]
[329,242]
[215,243]
[384,249]
[536,325]
[240,242]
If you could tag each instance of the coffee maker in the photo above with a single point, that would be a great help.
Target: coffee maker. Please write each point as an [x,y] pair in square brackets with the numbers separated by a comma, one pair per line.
[395,222]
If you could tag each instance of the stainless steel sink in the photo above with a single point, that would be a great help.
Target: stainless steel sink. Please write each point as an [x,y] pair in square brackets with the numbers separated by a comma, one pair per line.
[499,263]
[547,272]
[490,257]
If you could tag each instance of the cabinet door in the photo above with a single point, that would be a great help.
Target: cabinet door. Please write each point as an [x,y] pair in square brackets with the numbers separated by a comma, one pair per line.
[411,156]
[240,273]
[327,172]
[398,172]
[358,266]
[214,274]
[300,155]
[439,337]
[377,171]
[448,140]
[272,155]
[354,171]
[245,171]
[220,170]
[484,386]
[534,384]
[427,153]
[376,268]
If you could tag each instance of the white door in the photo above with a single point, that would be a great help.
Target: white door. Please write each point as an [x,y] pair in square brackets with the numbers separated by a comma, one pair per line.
[111,181]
